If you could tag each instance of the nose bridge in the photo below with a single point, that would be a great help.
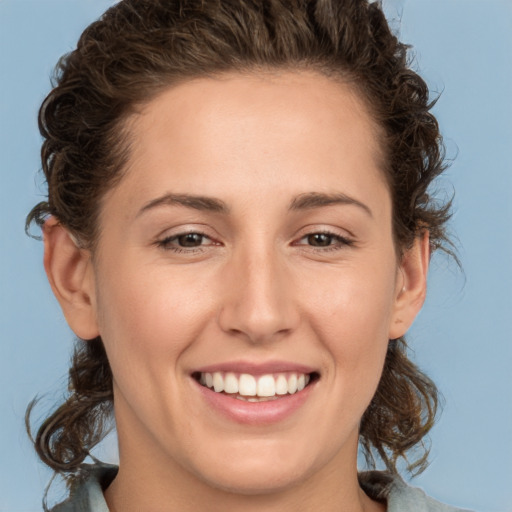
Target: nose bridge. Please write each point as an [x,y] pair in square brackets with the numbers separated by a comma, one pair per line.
[258,302]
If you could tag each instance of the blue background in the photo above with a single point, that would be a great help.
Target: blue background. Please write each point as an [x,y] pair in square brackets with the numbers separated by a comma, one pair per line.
[462,338]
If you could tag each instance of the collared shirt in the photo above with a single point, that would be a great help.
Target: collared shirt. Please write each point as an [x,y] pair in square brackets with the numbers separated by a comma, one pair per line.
[87,492]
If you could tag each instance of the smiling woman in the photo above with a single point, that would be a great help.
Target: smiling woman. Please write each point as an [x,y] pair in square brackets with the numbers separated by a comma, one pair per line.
[238,230]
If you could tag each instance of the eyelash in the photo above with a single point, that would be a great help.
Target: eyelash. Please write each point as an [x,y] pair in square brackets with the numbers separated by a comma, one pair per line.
[166,243]
[341,242]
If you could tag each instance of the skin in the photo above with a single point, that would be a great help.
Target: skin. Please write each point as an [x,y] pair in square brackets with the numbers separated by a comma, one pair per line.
[256,288]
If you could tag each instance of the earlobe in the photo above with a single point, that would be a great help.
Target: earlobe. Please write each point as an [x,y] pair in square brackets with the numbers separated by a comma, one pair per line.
[70,274]
[411,286]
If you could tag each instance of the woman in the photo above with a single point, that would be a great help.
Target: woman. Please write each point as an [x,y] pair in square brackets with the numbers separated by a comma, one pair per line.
[238,229]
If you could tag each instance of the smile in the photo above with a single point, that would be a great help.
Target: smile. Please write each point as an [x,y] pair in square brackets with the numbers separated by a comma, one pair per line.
[252,388]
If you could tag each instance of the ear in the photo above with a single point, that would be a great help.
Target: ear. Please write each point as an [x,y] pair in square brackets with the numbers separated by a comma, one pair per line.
[69,270]
[411,286]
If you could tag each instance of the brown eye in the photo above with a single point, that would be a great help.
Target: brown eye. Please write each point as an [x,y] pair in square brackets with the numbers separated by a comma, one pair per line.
[324,241]
[185,242]
[190,240]
[320,239]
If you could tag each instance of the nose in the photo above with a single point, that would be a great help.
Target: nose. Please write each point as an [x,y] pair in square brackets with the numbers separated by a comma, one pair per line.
[258,303]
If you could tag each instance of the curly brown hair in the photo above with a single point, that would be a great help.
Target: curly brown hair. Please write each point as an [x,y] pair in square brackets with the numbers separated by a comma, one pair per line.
[140,47]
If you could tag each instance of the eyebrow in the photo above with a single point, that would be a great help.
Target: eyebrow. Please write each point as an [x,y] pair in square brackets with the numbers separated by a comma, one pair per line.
[318,200]
[202,203]
[304,201]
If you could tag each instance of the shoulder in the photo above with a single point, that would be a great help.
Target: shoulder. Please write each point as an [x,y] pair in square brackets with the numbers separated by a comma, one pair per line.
[399,496]
[86,490]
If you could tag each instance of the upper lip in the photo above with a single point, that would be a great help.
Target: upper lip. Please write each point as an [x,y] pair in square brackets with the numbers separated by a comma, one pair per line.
[256,368]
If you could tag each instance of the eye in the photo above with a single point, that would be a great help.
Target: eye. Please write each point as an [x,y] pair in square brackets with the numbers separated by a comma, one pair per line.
[325,240]
[185,242]
[190,239]
[320,239]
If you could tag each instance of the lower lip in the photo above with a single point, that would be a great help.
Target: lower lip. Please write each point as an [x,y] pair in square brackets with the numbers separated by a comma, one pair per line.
[255,413]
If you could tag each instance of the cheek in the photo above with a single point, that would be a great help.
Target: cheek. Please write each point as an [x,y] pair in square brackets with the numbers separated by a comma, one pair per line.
[351,314]
[353,302]
[149,316]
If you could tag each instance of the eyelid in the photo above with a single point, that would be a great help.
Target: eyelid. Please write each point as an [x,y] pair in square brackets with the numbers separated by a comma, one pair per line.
[185,229]
[341,240]
[325,229]
[179,235]
[165,240]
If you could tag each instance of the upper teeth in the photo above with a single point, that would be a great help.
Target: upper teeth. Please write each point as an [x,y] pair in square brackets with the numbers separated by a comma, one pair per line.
[250,385]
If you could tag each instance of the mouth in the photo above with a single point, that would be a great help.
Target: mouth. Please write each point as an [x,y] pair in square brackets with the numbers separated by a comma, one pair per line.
[256,388]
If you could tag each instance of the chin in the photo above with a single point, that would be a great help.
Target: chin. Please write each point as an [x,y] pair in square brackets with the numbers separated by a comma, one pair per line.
[252,483]
[253,475]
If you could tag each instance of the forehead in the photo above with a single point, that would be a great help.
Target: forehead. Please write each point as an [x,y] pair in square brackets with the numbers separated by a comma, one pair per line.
[235,133]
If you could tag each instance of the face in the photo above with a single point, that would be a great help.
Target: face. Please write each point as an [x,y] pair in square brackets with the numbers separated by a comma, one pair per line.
[247,250]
